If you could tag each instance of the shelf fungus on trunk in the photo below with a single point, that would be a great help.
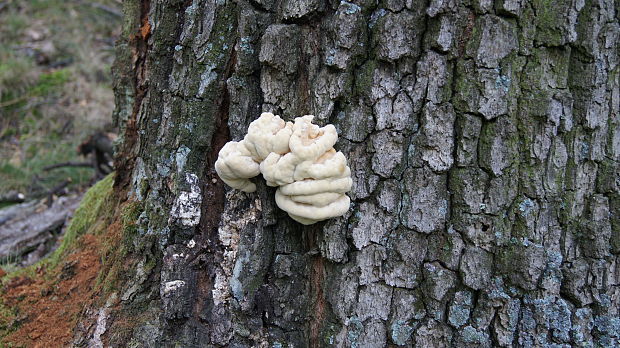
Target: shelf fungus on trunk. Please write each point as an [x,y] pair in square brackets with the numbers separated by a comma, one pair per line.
[299,158]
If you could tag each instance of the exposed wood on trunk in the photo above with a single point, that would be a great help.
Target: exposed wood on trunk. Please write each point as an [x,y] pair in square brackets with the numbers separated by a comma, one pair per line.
[131,71]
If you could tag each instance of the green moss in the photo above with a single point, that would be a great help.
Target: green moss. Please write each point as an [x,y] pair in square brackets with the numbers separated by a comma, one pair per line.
[506,259]
[472,45]
[222,33]
[144,187]
[364,77]
[119,244]
[129,217]
[129,228]
[466,89]
[86,216]
[549,17]
[607,176]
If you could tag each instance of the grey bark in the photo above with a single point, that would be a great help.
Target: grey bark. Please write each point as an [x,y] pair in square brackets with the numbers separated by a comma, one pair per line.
[484,146]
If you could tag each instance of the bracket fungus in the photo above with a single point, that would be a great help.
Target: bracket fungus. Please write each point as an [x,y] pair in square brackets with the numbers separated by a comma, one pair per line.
[299,158]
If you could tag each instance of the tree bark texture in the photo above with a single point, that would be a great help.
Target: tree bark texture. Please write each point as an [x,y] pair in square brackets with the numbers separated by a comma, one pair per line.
[484,145]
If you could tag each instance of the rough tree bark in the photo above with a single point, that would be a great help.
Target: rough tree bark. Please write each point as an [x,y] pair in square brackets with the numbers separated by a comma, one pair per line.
[484,143]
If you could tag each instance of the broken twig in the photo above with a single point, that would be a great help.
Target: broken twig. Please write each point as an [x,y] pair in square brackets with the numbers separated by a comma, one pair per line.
[68,164]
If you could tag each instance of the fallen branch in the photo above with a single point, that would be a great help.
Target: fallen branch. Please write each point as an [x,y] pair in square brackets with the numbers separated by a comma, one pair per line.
[26,227]
[68,164]
[12,197]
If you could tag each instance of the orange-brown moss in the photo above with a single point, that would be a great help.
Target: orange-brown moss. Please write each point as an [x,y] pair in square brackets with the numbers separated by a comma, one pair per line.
[47,309]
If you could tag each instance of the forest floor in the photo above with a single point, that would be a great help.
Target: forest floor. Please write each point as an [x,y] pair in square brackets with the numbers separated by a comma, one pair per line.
[55,92]
[55,88]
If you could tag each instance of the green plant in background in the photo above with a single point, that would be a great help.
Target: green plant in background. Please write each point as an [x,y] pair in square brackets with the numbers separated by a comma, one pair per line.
[50,81]
[15,76]
[54,88]
[39,149]
[46,85]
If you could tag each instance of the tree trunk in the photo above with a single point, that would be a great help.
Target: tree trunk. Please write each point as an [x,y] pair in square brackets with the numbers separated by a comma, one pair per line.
[484,146]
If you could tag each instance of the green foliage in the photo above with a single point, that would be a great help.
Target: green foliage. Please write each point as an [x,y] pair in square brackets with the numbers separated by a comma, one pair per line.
[49,82]
[14,100]
[15,77]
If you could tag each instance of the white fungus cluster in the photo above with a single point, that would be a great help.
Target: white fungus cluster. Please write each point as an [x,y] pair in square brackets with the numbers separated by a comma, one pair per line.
[299,158]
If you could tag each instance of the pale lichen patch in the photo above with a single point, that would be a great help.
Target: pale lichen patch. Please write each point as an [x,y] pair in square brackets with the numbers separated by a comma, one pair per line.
[173,286]
[186,208]
[229,235]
